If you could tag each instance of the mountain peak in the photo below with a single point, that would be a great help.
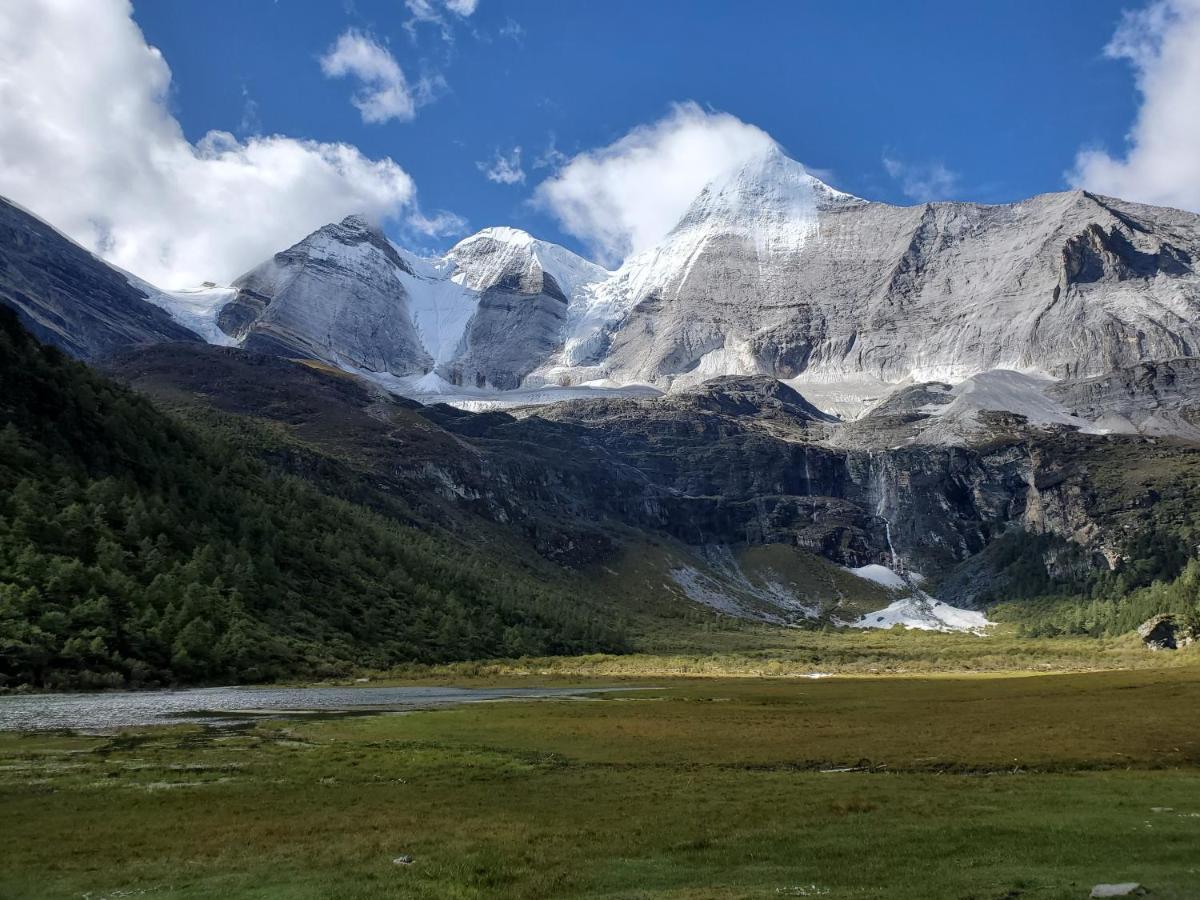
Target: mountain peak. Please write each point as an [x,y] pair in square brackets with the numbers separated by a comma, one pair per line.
[501,234]
[769,188]
[354,231]
[487,256]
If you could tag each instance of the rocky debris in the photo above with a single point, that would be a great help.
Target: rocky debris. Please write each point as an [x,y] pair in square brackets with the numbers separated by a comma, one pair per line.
[1124,889]
[1150,398]
[1168,632]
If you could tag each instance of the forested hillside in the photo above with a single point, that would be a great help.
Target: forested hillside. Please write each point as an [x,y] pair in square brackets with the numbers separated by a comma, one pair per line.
[136,549]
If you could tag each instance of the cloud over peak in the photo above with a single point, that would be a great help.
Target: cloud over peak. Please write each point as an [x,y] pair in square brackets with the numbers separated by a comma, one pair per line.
[626,196]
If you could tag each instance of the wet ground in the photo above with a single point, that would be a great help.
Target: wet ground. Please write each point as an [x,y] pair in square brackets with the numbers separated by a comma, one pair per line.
[99,712]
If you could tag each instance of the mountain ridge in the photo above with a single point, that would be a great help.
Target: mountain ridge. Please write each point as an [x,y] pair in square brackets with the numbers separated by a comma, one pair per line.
[769,272]
[772,272]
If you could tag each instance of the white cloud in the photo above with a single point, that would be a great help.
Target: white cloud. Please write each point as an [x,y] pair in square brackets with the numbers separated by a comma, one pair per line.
[922,181]
[1161,164]
[88,143]
[625,197]
[251,123]
[551,157]
[384,92]
[440,224]
[512,30]
[504,169]
[432,12]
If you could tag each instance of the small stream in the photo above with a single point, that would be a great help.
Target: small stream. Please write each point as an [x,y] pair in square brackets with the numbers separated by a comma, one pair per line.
[102,712]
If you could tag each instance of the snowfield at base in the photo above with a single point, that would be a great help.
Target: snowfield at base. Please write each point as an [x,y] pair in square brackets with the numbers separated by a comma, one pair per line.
[918,610]
[923,612]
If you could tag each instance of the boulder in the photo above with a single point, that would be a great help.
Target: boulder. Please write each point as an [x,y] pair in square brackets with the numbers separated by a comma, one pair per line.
[1168,632]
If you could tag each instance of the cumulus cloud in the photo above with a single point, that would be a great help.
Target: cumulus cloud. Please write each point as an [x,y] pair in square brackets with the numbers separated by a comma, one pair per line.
[88,143]
[922,181]
[504,168]
[384,93]
[1161,163]
[625,197]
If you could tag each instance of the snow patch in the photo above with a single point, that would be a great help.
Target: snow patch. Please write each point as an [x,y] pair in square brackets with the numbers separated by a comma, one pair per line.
[441,311]
[881,575]
[432,388]
[918,609]
[923,612]
[193,308]
[844,395]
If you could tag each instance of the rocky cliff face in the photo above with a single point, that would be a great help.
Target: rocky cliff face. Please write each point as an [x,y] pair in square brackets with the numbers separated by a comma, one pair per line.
[521,310]
[825,285]
[1150,398]
[738,462]
[67,297]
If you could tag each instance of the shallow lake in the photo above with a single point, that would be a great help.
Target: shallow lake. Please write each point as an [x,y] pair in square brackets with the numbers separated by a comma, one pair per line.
[108,711]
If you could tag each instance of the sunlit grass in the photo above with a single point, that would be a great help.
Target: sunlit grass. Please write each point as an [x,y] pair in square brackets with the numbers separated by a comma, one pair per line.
[977,787]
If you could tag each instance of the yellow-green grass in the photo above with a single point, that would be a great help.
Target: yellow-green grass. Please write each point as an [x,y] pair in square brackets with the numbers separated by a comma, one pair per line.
[977,787]
[733,649]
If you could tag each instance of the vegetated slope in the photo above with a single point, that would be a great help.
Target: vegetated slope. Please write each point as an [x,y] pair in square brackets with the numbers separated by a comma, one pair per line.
[136,549]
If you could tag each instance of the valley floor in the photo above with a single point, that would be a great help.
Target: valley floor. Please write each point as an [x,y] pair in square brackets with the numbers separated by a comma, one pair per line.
[978,787]
[733,649]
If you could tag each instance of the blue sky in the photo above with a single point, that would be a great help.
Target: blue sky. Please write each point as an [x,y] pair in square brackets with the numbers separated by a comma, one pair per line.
[188,140]
[1002,95]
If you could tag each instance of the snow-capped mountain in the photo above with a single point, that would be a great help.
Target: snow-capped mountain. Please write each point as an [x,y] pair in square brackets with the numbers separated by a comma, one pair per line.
[770,271]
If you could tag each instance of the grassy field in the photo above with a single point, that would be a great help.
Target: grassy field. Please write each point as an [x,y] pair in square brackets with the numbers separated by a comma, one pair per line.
[978,787]
[730,648]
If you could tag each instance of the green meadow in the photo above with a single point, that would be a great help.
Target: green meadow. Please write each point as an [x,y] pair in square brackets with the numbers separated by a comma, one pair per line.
[981,786]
